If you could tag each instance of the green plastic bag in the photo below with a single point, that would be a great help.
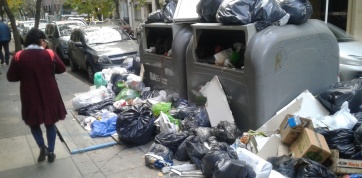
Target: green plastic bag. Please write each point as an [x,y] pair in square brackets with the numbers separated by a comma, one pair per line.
[173,120]
[126,94]
[99,80]
[157,108]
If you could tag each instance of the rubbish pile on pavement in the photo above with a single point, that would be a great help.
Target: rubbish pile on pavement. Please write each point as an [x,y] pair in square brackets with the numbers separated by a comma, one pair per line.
[310,137]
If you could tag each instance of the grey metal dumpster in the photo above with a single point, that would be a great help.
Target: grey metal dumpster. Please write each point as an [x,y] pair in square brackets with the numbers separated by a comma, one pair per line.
[279,64]
[162,71]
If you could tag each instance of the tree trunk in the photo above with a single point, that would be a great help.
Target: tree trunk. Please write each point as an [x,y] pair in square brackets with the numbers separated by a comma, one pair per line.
[37,13]
[117,9]
[13,25]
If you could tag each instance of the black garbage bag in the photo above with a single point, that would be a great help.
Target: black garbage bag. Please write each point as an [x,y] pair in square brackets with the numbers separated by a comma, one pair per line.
[358,116]
[226,132]
[357,156]
[171,140]
[241,12]
[158,156]
[136,125]
[309,168]
[160,150]
[149,94]
[217,153]
[181,153]
[284,165]
[207,10]
[299,167]
[189,124]
[196,150]
[203,132]
[340,139]
[194,113]
[169,10]
[350,91]
[232,168]
[299,10]
[156,16]
[94,108]
[163,15]
[117,81]
[358,138]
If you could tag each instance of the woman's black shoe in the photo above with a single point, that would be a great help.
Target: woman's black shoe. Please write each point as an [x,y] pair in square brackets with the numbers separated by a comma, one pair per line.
[51,157]
[43,153]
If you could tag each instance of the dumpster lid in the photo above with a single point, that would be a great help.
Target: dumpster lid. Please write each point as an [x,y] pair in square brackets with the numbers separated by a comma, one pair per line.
[186,11]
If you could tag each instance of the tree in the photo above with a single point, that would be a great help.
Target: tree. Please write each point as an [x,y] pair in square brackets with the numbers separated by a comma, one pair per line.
[116,2]
[89,6]
[4,4]
[37,13]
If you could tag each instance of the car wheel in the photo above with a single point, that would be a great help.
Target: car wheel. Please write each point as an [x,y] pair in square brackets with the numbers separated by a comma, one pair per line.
[73,66]
[90,73]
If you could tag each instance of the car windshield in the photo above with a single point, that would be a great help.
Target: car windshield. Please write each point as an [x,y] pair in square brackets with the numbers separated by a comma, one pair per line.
[340,34]
[103,35]
[67,28]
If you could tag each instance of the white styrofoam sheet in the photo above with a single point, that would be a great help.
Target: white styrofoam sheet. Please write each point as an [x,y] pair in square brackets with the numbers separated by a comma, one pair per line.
[217,105]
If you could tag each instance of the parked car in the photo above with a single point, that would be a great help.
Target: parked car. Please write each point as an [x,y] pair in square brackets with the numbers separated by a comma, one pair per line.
[96,22]
[121,23]
[94,48]
[26,29]
[22,27]
[58,34]
[350,52]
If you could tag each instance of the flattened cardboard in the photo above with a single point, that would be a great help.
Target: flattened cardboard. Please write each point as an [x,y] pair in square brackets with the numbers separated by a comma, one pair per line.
[217,105]
[344,166]
[311,145]
[305,105]
[288,134]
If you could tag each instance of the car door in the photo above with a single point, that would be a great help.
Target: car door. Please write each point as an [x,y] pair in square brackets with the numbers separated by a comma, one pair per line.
[71,48]
[80,50]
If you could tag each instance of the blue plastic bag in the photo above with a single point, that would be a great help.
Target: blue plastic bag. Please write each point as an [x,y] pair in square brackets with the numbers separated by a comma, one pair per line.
[104,128]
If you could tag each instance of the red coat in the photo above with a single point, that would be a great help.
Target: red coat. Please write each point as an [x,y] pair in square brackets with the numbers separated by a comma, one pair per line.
[39,93]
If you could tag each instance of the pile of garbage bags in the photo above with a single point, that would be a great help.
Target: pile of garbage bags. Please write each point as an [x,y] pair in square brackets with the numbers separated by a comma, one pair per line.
[263,13]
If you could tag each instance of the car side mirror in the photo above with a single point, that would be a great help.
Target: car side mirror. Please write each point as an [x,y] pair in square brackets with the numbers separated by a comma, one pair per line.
[78,44]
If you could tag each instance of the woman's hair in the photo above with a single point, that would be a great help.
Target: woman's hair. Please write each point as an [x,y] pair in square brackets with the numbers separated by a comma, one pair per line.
[33,37]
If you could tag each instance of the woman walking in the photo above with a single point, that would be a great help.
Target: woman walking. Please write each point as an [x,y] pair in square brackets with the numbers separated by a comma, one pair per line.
[41,102]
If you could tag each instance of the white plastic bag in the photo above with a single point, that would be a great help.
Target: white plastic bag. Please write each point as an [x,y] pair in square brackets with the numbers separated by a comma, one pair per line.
[134,82]
[91,97]
[165,125]
[222,56]
[261,167]
[342,119]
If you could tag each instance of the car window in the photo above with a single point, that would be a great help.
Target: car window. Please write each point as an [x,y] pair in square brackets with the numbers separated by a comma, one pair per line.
[67,28]
[101,35]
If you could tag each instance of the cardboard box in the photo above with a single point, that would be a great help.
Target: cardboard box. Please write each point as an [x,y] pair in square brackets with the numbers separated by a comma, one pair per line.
[288,134]
[304,105]
[310,145]
[344,166]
